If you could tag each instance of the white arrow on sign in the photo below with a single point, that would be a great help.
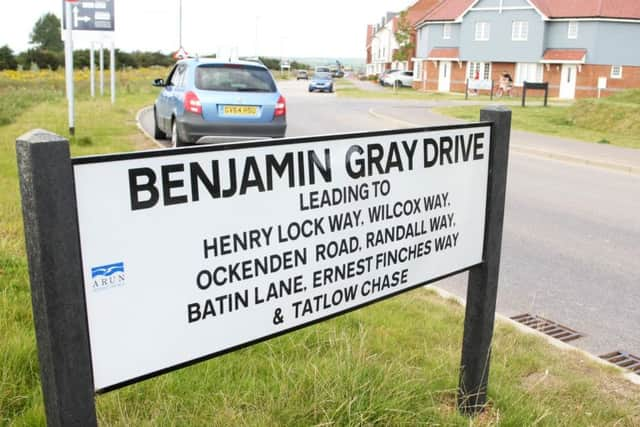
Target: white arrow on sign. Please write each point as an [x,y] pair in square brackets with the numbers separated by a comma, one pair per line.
[77,18]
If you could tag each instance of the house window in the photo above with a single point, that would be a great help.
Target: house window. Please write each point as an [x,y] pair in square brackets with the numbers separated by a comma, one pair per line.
[573,30]
[482,31]
[483,70]
[528,73]
[616,71]
[446,31]
[519,30]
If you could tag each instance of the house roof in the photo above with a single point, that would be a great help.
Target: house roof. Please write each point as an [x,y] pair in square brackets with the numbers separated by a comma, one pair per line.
[444,53]
[447,10]
[417,11]
[621,9]
[450,10]
[558,56]
[370,30]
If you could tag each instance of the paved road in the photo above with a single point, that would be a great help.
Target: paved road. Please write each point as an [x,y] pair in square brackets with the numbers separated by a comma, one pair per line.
[571,248]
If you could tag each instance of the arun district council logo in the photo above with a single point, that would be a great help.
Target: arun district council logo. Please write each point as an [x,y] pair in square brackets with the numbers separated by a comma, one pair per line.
[107,276]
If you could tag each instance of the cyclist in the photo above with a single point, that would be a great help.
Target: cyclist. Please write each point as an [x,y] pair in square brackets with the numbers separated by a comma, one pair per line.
[506,84]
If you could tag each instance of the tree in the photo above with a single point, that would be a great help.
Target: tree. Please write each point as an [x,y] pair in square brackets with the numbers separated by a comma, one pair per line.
[43,58]
[46,34]
[295,65]
[270,63]
[403,37]
[7,59]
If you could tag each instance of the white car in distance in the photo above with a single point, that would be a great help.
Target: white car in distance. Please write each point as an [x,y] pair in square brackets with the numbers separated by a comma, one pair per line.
[399,78]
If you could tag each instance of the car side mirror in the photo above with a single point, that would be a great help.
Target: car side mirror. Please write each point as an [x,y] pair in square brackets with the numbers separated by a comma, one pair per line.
[159,83]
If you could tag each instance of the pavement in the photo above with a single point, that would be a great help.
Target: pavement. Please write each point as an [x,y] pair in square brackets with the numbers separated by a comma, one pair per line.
[415,114]
[600,155]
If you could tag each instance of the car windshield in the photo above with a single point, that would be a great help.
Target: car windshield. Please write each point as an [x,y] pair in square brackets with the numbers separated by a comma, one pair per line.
[322,76]
[234,78]
[322,70]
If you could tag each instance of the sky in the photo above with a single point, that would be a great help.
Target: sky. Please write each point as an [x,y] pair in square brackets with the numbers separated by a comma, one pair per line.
[284,28]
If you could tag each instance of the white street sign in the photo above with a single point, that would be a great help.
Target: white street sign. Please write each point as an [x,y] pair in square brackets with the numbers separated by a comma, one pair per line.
[189,253]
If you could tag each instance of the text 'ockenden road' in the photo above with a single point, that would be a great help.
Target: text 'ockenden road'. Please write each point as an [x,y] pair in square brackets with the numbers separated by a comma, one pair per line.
[428,215]
[188,182]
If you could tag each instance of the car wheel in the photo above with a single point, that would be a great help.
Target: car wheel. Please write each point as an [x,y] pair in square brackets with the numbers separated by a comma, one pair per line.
[310,90]
[331,89]
[176,139]
[157,132]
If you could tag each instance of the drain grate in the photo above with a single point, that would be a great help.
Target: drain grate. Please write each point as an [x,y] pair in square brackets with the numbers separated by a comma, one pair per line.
[548,327]
[624,360]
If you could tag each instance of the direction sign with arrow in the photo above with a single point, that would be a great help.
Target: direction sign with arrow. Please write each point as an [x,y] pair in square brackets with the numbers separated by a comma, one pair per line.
[96,15]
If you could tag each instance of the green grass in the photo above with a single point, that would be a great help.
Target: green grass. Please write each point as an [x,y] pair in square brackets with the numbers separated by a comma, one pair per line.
[614,120]
[350,90]
[394,363]
[408,94]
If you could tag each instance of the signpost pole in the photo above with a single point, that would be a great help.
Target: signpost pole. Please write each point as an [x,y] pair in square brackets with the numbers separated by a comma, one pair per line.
[101,69]
[180,23]
[92,70]
[68,66]
[55,271]
[482,286]
[112,64]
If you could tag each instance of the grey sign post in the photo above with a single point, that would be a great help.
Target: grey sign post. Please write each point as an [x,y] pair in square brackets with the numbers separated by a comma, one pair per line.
[95,16]
[92,15]
[51,222]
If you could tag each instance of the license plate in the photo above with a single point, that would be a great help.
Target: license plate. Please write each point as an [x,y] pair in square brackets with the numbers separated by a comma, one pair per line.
[240,110]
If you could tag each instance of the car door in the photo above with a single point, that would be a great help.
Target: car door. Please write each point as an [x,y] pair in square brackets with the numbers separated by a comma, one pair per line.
[176,100]
[163,108]
[407,78]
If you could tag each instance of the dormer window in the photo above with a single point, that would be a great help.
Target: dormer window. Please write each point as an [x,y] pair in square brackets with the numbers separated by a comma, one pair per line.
[446,31]
[519,31]
[482,31]
[573,30]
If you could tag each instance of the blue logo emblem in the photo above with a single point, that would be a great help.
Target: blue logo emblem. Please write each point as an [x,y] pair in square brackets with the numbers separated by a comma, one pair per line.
[107,276]
[107,270]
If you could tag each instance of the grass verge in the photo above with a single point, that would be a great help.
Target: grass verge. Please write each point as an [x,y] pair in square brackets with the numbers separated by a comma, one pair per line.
[402,94]
[614,120]
[394,363]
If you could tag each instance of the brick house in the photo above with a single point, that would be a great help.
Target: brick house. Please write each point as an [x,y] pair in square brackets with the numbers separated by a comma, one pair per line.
[572,44]
[381,39]
[381,43]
